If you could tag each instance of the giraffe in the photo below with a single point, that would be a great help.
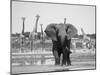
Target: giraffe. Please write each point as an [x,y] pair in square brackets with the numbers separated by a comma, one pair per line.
[86,39]
[33,34]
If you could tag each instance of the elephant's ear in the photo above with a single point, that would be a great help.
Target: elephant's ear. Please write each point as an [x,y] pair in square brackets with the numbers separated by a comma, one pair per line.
[71,30]
[51,31]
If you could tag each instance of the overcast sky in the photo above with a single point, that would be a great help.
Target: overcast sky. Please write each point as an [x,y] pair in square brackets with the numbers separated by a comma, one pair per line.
[79,16]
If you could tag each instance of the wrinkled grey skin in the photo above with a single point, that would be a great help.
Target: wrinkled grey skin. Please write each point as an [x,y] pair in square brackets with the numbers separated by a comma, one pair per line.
[60,35]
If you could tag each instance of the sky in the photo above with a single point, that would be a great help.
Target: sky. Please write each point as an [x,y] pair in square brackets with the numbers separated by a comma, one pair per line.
[79,16]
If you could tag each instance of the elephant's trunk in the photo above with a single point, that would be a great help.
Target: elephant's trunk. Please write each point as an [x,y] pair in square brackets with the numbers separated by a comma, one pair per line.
[62,37]
[65,43]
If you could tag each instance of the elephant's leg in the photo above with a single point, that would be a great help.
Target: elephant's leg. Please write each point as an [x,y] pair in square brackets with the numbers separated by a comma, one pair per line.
[69,52]
[59,54]
[68,59]
[56,56]
[64,60]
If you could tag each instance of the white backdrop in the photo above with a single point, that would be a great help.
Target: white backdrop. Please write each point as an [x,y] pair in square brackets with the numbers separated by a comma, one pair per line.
[5,37]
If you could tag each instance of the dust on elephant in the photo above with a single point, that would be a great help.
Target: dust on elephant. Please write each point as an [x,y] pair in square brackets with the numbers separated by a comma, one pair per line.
[60,35]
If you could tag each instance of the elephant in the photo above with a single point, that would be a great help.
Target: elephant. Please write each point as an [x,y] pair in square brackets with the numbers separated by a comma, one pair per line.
[61,35]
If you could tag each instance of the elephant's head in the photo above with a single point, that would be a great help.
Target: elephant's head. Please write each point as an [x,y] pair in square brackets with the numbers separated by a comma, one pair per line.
[60,32]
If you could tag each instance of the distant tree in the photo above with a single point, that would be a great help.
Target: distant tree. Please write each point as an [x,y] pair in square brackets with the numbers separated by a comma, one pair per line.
[26,34]
[93,36]
[15,35]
